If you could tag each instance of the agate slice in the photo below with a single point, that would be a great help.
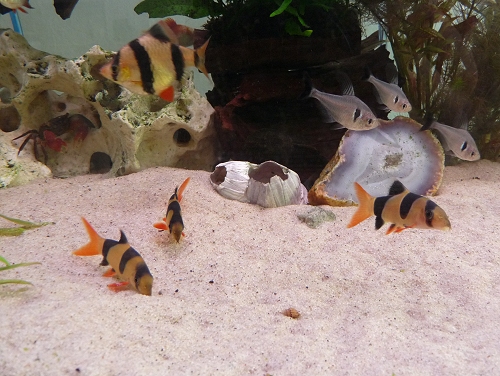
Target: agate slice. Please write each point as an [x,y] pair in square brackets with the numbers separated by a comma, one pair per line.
[269,184]
[375,158]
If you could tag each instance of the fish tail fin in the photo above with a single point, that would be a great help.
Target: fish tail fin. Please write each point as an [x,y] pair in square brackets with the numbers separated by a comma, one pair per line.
[182,188]
[94,246]
[367,73]
[200,60]
[365,208]
[306,93]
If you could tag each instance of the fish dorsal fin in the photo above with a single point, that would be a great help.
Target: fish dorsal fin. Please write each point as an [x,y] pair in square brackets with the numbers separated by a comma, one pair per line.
[391,73]
[429,121]
[123,238]
[345,84]
[463,124]
[163,32]
[367,73]
[396,188]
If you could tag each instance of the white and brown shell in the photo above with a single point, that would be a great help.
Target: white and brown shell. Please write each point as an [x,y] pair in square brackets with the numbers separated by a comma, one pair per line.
[269,184]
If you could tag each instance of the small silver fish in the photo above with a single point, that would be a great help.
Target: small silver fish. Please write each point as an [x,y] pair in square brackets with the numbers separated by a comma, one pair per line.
[457,140]
[347,110]
[389,93]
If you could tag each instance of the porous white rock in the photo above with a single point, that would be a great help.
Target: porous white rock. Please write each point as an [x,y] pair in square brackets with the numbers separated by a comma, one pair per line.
[133,131]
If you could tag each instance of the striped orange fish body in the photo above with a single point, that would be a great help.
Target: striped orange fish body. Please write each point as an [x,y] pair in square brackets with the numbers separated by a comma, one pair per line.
[173,219]
[154,63]
[402,208]
[126,263]
[16,5]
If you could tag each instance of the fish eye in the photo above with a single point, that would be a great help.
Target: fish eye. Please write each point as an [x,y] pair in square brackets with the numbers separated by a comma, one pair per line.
[429,214]
[114,68]
[396,99]
[464,146]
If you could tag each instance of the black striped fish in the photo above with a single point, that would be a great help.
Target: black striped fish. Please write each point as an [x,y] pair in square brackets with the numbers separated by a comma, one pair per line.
[154,63]
[173,219]
[401,208]
[126,263]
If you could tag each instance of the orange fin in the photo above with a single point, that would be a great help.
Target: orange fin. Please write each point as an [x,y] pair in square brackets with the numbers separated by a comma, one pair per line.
[160,226]
[168,94]
[365,207]
[391,229]
[109,273]
[399,229]
[201,59]
[118,286]
[182,188]
[94,246]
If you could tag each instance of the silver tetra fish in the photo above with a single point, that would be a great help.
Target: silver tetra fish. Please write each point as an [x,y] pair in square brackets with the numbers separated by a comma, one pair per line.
[388,94]
[456,140]
[347,109]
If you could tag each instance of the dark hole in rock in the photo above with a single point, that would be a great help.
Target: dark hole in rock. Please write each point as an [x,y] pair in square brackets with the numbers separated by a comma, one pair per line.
[5,96]
[265,171]
[219,175]
[10,119]
[100,163]
[181,137]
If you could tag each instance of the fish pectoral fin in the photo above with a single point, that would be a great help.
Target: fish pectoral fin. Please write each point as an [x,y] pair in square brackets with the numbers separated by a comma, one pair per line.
[109,273]
[391,229]
[399,229]
[168,94]
[118,286]
[160,226]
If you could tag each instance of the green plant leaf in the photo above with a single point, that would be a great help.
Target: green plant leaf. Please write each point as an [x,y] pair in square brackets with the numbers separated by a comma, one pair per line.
[293,28]
[293,11]
[11,231]
[162,8]
[13,266]
[282,8]
[18,281]
[25,224]
[4,260]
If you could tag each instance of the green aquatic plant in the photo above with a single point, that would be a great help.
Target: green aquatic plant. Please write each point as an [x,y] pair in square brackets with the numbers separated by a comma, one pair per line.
[23,226]
[446,52]
[9,266]
[293,25]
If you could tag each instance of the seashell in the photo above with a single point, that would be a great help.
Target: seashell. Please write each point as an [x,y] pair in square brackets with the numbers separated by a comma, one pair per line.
[375,158]
[291,312]
[272,185]
[231,179]
[269,184]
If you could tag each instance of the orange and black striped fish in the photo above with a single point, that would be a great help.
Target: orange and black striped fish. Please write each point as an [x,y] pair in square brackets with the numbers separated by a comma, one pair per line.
[401,208]
[15,5]
[154,63]
[126,263]
[173,220]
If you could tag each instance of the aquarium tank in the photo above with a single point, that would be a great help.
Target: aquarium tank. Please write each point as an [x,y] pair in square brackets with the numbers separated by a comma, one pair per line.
[247,99]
